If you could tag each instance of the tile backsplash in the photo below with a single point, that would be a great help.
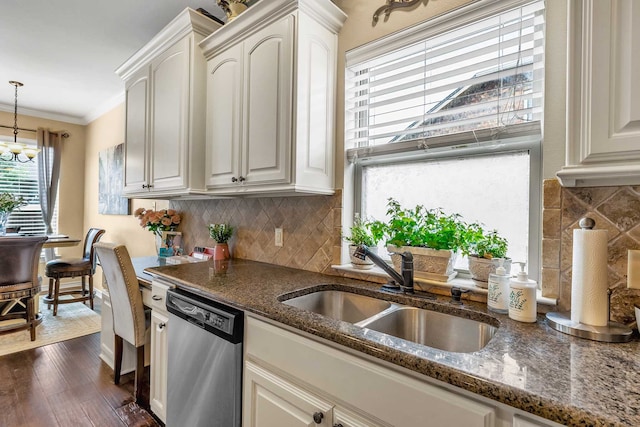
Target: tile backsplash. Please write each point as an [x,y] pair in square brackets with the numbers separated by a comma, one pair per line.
[615,209]
[311,226]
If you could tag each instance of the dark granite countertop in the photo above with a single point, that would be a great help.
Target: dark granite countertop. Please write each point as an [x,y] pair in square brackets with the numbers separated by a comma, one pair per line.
[532,367]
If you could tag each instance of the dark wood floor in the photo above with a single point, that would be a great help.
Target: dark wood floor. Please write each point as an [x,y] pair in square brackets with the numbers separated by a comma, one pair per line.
[66,384]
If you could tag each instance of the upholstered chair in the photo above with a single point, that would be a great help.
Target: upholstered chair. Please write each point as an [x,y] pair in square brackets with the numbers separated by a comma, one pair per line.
[130,321]
[83,267]
[19,282]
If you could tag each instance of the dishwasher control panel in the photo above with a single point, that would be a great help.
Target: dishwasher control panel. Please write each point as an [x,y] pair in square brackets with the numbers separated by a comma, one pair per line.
[207,314]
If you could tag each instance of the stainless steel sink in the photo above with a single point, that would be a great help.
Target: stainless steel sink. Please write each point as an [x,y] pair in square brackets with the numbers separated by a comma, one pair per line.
[340,305]
[427,327]
[431,328]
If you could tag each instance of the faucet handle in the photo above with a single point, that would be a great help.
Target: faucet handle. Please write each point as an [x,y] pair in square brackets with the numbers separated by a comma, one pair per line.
[456,294]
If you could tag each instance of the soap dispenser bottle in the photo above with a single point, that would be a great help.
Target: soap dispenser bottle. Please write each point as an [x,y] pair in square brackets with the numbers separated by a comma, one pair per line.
[522,297]
[498,297]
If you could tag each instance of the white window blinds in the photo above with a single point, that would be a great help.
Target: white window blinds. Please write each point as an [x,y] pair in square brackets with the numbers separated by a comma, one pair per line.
[478,79]
[21,179]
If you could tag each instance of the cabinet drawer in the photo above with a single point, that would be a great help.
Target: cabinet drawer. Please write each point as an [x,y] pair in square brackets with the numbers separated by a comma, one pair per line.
[159,295]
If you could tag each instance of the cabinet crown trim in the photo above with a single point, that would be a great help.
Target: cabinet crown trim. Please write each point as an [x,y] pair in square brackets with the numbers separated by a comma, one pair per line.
[264,13]
[188,21]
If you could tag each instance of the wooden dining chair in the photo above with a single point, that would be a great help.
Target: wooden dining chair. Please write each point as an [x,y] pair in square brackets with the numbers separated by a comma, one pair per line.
[130,321]
[19,282]
[83,267]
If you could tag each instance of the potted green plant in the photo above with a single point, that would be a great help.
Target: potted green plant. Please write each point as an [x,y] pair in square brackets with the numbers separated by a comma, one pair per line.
[8,203]
[484,250]
[431,235]
[221,233]
[362,232]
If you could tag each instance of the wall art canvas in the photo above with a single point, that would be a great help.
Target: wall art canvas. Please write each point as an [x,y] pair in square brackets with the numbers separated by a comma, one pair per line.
[111,182]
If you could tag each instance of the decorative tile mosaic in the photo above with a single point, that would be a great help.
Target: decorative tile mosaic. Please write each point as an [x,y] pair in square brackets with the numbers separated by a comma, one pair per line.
[615,209]
[311,228]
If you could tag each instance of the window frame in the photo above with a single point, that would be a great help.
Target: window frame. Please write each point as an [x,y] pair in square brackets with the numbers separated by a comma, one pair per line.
[529,140]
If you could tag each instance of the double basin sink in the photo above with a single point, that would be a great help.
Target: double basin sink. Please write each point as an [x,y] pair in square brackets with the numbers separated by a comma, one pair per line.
[426,327]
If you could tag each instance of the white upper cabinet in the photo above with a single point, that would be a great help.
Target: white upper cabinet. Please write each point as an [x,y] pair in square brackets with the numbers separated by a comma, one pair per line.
[271,78]
[603,129]
[165,85]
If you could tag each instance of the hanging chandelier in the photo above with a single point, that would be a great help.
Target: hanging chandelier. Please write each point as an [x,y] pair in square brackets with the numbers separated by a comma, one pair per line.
[16,151]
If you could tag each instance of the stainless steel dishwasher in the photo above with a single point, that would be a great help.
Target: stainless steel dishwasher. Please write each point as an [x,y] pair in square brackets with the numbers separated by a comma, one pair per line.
[204,372]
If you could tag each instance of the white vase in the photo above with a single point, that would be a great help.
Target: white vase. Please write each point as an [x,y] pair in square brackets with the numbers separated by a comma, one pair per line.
[4,217]
[361,264]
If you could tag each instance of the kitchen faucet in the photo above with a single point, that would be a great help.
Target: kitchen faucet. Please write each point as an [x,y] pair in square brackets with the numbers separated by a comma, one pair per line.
[405,281]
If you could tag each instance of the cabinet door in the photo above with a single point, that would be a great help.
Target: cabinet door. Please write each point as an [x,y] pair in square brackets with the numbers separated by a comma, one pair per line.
[136,161]
[158,380]
[224,103]
[268,67]
[603,138]
[271,401]
[169,107]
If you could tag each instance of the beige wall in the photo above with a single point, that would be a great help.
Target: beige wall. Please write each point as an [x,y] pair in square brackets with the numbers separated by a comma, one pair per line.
[104,132]
[72,183]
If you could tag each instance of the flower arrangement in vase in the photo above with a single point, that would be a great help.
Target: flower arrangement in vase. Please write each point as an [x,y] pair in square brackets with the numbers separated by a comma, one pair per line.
[221,233]
[8,203]
[158,221]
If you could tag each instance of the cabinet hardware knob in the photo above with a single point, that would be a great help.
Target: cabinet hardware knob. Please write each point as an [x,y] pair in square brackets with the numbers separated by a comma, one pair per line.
[234,179]
[317,417]
[156,298]
[161,325]
[338,425]
[144,185]
[242,178]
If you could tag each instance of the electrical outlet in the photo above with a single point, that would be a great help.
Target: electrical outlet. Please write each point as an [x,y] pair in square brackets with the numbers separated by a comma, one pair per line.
[279,237]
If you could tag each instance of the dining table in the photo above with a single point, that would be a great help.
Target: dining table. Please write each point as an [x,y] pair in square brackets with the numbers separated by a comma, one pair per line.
[60,241]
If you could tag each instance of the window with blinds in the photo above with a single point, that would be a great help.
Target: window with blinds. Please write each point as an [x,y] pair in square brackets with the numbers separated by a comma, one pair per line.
[476,80]
[21,179]
[447,114]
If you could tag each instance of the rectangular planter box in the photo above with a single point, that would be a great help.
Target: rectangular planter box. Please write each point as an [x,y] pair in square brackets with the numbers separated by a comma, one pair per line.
[428,263]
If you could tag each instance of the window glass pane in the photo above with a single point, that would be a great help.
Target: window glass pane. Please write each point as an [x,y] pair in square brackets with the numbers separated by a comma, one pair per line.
[492,190]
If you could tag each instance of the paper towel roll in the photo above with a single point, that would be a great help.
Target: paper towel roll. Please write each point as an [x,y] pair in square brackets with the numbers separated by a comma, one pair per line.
[589,299]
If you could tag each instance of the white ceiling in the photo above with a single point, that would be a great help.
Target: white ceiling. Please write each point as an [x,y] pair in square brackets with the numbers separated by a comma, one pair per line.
[65,51]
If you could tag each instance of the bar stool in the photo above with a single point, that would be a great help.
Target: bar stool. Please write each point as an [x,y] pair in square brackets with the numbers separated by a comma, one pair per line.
[19,283]
[73,267]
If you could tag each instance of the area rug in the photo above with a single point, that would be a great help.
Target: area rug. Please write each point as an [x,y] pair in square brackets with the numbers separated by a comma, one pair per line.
[73,321]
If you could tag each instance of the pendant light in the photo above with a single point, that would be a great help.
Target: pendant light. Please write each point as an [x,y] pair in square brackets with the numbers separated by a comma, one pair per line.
[16,151]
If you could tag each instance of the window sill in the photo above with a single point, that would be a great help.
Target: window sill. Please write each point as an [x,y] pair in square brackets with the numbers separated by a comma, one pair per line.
[425,284]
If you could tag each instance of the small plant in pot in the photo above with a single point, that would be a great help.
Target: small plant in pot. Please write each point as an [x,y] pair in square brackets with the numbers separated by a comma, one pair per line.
[431,235]
[362,232]
[484,250]
[221,233]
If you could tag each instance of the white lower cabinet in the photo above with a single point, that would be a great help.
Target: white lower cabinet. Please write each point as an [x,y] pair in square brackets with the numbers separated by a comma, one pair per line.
[277,402]
[289,380]
[158,375]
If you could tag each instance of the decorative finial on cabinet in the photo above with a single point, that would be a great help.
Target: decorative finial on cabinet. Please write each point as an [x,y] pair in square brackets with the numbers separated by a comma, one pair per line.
[392,5]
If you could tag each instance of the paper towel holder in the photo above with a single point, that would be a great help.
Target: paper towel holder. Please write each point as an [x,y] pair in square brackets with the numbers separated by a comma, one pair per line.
[613,332]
